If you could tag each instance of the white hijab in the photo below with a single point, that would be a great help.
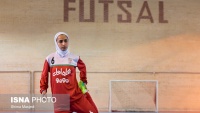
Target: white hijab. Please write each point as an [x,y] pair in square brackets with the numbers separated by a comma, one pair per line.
[58,50]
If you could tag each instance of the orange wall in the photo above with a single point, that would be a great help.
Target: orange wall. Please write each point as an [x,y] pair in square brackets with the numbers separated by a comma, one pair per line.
[27,29]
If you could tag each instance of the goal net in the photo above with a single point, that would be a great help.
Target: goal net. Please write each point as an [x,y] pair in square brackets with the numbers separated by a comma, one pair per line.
[133,96]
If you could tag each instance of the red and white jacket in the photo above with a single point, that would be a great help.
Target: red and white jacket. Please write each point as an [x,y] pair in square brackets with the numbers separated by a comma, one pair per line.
[63,75]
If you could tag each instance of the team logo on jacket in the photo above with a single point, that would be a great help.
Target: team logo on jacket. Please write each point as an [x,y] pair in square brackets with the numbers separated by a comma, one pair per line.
[62,72]
[63,80]
[70,60]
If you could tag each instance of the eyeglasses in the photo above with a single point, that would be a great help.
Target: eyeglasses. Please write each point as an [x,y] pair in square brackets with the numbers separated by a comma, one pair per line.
[61,41]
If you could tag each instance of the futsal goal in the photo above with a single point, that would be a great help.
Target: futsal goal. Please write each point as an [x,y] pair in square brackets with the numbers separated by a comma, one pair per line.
[133,96]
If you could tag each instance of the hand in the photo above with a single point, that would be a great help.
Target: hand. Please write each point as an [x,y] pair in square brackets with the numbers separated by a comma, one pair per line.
[85,85]
[44,93]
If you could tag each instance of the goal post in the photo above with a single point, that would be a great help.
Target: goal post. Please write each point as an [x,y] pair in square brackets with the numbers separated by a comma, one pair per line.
[133,95]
